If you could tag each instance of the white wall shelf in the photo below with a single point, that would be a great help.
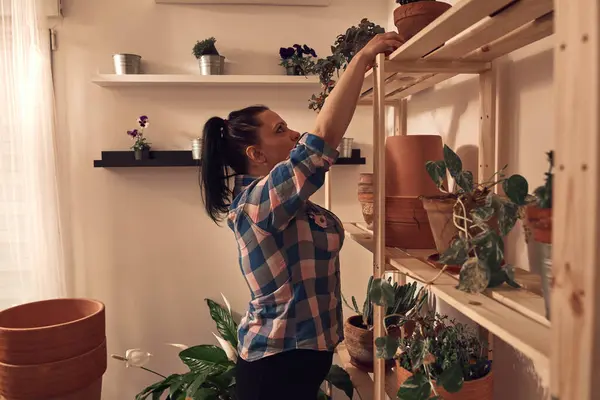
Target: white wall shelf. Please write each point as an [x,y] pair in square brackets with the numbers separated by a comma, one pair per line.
[192,80]
[314,3]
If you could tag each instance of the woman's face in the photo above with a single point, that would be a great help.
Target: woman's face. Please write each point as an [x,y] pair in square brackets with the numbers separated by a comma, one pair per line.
[276,140]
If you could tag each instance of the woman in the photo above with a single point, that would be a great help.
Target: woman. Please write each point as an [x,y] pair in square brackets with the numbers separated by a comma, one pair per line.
[288,246]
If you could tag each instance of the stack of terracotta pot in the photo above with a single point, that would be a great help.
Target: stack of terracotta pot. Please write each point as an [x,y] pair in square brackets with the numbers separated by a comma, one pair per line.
[407,224]
[53,349]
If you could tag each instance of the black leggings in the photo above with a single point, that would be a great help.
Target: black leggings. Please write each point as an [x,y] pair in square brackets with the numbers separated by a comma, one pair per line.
[291,375]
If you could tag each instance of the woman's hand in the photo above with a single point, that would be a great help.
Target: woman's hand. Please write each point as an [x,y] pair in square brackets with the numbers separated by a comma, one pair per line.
[382,43]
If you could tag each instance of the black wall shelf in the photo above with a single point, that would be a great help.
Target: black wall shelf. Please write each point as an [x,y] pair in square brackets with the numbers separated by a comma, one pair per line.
[180,158]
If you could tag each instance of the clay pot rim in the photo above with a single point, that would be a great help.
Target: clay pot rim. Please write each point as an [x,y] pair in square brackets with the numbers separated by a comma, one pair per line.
[443,198]
[100,347]
[485,377]
[99,304]
[407,8]
[357,317]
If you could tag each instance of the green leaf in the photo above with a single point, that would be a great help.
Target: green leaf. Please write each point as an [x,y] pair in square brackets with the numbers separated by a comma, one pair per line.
[382,293]
[465,181]
[205,358]
[516,188]
[224,380]
[508,214]
[437,172]
[206,394]
[339,378]
[489,249]
[453,162]
[180,385]
[417,387]
[224,321]
[355,304]
[452,378]
[386,347]
[482,214]
[456,254]
[474,276]
[158,387]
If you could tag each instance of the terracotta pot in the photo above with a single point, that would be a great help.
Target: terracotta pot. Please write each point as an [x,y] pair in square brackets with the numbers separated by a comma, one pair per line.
[359,343]
[411,18]
[60,343]
[405,158]
[480,389]
[407,225]
[365,183]
[539,220]
[439,213]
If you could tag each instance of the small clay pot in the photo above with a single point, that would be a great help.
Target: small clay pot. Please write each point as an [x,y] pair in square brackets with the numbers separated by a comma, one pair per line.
[359,343]
[365,183]
[479,389]
[539,220]
[439,212]
[411,18]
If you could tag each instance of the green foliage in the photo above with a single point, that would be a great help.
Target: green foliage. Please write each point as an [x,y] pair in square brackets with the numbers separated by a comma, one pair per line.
[543,194]
[205,47]
[436,350]
[479,248]
[339,378]
[226,326]
[343,50]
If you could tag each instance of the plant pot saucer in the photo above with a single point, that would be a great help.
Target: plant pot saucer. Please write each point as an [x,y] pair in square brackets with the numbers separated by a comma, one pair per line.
[434,258]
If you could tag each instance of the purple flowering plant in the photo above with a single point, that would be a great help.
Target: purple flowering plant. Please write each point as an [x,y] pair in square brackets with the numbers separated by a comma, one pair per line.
[137,134]
[299,57]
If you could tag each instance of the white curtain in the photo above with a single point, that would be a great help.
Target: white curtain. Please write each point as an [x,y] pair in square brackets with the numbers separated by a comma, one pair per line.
[31,256]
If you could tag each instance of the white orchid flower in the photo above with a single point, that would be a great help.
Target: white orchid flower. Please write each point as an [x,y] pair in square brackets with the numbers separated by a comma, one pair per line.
[231,352]
[226,303]
[136,358]
[178,345]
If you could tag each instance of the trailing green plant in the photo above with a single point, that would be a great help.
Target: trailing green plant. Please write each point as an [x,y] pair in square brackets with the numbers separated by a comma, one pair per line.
[543,193]
[343,50]
[397,300]
[404,2]
[479,247]
[436,350]
[205,47]
[301,58]
[211,374]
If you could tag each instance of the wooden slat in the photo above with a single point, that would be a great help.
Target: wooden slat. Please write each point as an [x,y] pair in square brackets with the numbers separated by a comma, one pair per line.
[464,67]
[363,384]
[525,334]
[575,305]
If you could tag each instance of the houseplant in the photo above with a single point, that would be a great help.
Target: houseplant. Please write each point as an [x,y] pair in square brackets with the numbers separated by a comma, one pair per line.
[538,228]
[358,329]
[343,50]
[438,357]
[297,60]
[141,147]
[211,372]
[209,59]
[468,223]
[413,15]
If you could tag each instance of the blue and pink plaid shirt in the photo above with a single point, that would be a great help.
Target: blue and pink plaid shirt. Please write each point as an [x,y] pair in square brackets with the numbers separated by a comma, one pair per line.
[288,252]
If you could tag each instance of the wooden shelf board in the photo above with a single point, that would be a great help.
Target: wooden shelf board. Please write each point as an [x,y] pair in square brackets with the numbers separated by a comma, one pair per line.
[493,310]
[193,80]
[517,26]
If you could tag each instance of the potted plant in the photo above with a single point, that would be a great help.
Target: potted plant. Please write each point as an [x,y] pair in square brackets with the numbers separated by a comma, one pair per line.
[141,147]
[413,15]
[294,61]
[211,369]
[468,224]
[439,357]
[209,59]
[343,50]
[538,228]
[358,329]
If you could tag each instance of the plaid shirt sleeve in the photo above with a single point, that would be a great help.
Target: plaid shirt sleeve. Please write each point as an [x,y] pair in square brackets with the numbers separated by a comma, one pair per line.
[275,199]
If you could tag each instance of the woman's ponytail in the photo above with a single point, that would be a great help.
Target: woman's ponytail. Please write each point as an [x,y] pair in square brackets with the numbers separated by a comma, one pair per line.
[214,172]
[224,144]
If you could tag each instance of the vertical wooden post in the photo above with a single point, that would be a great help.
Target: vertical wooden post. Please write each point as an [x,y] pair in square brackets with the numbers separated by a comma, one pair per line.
[400,117]
[328,189]
[379,135]
[487,149]
[575,305]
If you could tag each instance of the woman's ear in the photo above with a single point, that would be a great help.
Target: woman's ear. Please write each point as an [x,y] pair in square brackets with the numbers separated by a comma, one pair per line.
[255,155]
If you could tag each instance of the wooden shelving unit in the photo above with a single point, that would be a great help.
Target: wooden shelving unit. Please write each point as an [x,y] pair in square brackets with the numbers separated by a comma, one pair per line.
[466,40]
[314,3]
[205,80]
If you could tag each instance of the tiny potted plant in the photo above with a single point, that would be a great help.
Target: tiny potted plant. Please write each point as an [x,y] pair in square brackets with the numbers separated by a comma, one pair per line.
[439,357]
[469,222]
[141,147]
[209,59]
[297,60]
[358,329]
[538,227]
[413,15]
[343,50]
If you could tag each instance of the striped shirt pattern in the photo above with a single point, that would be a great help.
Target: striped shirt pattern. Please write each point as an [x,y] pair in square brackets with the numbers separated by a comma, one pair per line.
[288,252]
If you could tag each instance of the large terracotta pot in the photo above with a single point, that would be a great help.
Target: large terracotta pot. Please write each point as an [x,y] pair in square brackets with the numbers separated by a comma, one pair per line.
[480,389]
[411,18]
[439,213]
[405,158]
[59,344]
[407,225]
